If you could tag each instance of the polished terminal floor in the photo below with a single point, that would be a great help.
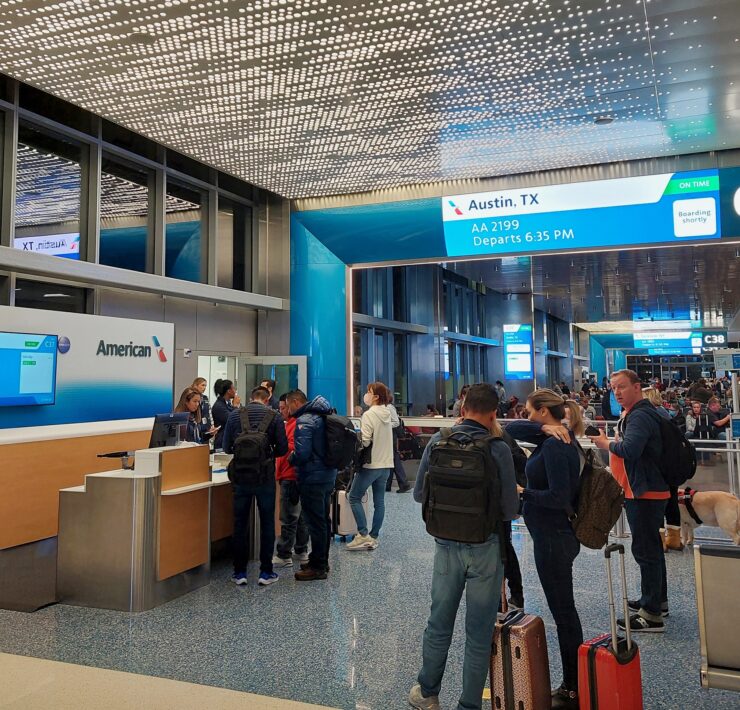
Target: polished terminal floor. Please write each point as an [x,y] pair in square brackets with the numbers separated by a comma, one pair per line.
[350,642]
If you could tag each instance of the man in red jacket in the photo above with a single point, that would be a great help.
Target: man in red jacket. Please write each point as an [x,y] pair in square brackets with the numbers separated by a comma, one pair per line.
[293,531]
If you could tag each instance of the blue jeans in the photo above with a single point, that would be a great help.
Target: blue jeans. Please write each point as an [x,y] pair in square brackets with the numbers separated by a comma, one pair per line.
[555,549]
[293,530]
[243,496]
[375,477]
[315,501]
[646,518]
[476,570]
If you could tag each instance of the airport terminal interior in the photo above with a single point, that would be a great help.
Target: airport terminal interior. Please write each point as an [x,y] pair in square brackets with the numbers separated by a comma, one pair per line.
[200,199]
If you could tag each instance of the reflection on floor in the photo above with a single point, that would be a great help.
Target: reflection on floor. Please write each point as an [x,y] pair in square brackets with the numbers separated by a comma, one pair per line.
[31,684]
[349,642]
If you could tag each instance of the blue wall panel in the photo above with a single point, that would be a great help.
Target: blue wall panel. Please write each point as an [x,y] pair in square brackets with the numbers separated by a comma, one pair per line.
[318,315]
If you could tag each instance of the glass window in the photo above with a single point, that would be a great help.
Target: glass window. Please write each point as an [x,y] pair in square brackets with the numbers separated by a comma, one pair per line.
[380,357]
[125,196]
[358,360]
[183,232]
[357,281]
[49,296]
[48,194]
[400,308]
[234,245]
[400,373]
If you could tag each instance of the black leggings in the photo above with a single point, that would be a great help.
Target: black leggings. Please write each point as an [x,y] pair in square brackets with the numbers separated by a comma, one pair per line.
[672,511]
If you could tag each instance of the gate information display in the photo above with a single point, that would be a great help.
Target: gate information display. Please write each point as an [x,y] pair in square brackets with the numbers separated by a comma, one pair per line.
[672,207]
[29,365]
[518,351]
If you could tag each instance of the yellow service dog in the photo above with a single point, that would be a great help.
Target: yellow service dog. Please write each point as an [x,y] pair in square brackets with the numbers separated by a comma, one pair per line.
[715,508]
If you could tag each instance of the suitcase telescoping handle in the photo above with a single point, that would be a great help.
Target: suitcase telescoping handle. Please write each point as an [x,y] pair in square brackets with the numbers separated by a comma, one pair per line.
[614,547]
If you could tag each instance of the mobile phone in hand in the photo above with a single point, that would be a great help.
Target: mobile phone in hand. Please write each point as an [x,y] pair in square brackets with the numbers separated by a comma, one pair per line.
[591,430]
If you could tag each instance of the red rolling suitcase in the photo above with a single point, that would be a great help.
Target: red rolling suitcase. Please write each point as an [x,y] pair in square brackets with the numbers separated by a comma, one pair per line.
[609,676]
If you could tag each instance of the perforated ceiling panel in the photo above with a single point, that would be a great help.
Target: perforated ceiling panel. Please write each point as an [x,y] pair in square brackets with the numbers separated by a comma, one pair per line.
[317,97]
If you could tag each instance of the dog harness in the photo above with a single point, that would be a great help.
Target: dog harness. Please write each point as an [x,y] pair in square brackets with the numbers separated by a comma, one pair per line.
[686,497]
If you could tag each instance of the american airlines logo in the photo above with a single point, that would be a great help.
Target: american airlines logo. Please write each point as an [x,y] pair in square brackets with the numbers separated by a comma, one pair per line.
[131,349]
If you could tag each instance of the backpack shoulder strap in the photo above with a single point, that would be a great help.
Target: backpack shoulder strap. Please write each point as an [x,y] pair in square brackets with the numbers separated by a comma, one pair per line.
[244,418]
[267,420]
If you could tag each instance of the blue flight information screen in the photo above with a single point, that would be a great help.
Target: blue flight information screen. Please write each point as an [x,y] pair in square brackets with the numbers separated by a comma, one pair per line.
[28,363]
[518,351]
[667,208]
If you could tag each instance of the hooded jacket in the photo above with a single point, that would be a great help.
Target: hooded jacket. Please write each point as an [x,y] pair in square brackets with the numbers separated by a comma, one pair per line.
[641,447]
[310,443]
[377,429]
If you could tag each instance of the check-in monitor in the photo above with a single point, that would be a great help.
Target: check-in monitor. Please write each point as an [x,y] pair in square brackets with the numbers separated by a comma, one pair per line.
[169,429]
[28,363]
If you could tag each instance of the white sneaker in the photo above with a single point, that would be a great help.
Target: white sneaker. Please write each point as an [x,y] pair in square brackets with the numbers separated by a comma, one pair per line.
[282,561]
[417,700]
[302,558]
[361,542]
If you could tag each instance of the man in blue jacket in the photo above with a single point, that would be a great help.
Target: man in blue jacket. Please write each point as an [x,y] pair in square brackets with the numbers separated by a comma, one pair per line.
[316,480]
[634,460]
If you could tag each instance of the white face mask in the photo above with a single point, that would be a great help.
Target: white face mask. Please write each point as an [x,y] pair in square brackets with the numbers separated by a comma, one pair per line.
[368,399]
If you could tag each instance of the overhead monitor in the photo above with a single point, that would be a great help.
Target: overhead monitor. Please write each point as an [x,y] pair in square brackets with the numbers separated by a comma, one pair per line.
[518,351]
[647,209]
[679,342]
[675,342]
[28,363]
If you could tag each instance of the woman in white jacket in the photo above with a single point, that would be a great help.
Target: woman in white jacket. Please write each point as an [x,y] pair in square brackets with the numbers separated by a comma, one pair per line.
[377,442]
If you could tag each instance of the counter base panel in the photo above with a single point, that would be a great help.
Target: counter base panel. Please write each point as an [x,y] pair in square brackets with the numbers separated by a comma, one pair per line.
[28,575]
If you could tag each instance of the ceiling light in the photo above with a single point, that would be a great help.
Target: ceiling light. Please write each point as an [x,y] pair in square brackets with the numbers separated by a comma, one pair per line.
[57,295]
[603,120]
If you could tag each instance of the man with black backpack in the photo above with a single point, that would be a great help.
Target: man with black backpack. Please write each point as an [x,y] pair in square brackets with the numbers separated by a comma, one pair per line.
[467,486]
[316,466]
[255,435]
[636,460]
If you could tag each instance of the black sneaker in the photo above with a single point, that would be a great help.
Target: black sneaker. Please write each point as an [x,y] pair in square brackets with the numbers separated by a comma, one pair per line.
[564,699]
[635,606]
[404,489]
[639,624]
[307,565]
[516,602]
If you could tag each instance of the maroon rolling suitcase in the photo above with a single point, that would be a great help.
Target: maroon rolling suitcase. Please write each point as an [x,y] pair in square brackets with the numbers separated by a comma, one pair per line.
[520,672]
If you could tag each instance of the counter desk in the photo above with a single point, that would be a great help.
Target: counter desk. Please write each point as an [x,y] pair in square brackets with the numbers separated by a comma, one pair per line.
[35,463]
[133,539]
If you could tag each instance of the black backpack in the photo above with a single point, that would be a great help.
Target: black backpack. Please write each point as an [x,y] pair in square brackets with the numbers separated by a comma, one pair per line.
[342,441]
[461,498]
[600,501]
[254,460]
[677,462]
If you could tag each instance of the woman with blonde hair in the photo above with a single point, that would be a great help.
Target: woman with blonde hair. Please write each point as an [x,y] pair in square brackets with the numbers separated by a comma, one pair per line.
[550,497]
[655,398]
[200,384]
